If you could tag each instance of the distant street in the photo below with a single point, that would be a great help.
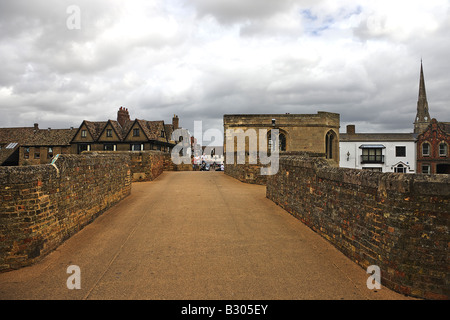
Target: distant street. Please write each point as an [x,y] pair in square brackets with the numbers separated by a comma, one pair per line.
[195,235]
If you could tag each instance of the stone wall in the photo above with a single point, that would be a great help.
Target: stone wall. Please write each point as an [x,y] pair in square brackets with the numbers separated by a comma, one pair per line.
[399,222]
[170,166]
[41,206]
[144,165]
[248,173]
[251,173]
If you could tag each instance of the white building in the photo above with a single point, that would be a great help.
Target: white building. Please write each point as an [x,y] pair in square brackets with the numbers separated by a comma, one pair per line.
[384,152]
[212,154]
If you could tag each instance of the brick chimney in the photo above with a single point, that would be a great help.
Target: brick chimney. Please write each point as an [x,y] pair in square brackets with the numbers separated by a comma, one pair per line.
[123,116]
[175,122]
[351,129]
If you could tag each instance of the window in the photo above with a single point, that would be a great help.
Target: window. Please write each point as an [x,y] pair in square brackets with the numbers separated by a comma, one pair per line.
[26,153]
[282,138]
[443,149]
[426,169]
[426,149]
[330,144]
[162,133]
[400,169]
[400,151]
[84,147]
[50,153]
[137,147]
[109,133]
[136,132]
[372,155]
[109,147]
[37,155]
[83,133]
[281,142]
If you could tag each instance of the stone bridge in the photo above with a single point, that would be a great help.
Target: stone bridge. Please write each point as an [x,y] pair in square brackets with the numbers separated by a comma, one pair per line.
[206,235]
[194,235]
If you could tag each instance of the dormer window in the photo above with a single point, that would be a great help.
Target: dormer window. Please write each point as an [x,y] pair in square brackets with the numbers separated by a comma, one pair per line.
[83,133]
[109,133]
[136,132]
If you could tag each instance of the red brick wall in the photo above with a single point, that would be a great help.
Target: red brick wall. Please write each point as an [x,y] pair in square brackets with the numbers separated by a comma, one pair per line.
[41,206]
[434,136]
[399,222]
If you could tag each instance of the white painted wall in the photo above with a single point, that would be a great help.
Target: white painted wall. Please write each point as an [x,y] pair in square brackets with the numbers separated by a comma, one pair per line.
[350,155]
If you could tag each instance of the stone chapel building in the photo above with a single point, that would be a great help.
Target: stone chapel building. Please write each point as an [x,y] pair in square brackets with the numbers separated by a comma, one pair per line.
[313,133]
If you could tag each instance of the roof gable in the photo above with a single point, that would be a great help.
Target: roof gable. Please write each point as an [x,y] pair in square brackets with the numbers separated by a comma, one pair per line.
[116,132]
[77,137]
[136,124]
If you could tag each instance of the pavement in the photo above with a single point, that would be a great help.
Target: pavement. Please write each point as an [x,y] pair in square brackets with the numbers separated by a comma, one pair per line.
[194,236]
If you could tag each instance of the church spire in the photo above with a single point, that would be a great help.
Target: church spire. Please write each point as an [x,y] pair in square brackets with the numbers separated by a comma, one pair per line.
[423,116]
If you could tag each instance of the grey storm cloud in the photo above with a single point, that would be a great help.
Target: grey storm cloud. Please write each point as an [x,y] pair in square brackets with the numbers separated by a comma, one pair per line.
[201,59]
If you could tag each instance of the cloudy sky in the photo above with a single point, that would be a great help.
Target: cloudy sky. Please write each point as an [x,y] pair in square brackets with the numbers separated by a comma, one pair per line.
[66,61]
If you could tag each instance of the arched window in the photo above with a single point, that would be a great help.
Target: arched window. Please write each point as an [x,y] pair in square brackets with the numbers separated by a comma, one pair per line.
[426,149]
[330,140]
[281,142]
[443,149]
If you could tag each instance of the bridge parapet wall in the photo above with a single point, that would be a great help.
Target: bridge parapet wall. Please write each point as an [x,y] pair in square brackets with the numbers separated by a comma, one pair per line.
[399,222]
[144,165]
[169,165]
[43,205]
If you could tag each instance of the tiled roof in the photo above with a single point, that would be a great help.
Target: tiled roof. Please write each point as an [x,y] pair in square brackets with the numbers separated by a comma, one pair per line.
[29,136]
[152,129]
[18,135]
[118,129]
[95,128]
[169,130]
[126,128]
[51,137]
[13,138]
[345,137]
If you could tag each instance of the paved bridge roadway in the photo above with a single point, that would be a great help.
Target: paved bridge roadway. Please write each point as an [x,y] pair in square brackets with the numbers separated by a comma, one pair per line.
[195,236]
